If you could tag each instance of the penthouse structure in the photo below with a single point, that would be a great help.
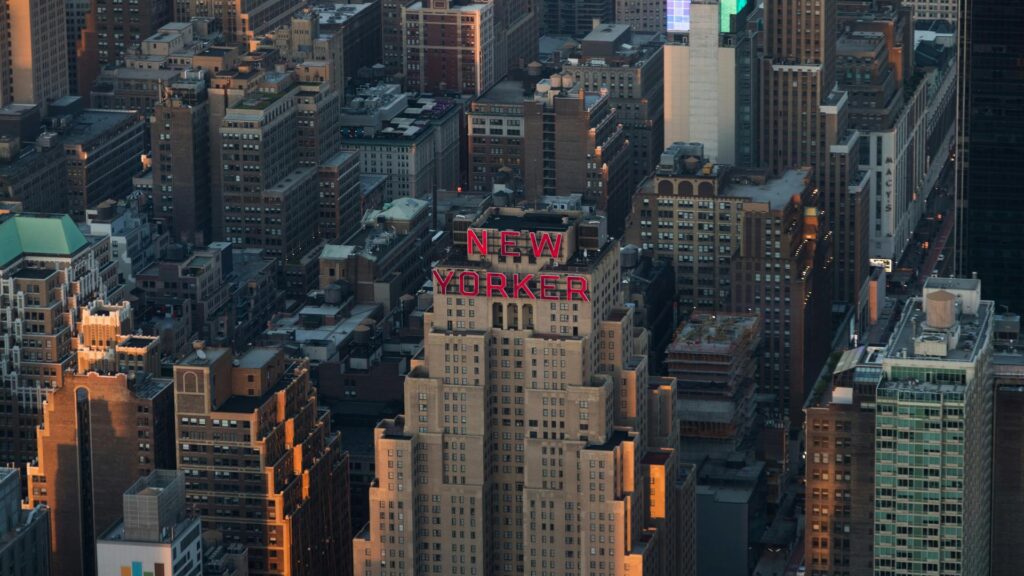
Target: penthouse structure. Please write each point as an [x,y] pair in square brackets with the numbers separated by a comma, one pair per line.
[261,464]
[933,436]
[577,146]
[716,359]
[532,425]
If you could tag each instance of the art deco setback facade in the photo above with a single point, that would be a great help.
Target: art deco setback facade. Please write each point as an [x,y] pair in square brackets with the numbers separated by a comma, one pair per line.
[260,462]
[534,441]
[48,271]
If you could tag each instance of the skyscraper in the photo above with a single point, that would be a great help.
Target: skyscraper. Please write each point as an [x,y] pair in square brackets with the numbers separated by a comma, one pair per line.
[989,198]
[533,440]
[110,28]
[840,466]
[180,129]
[99,434]
[48,271]
[933,436]
[33,60]
[711,90]
[260,462]
[804,121]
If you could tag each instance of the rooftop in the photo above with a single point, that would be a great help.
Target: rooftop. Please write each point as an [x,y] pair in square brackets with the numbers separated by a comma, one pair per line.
[505,92]
[776,192]
[38,234]
[92,125]
[713,333]
[257,358]
[533,221]
[338,14]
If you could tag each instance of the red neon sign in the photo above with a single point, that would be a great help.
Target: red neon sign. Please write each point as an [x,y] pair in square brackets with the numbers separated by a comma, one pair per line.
[529,286]
[540,243]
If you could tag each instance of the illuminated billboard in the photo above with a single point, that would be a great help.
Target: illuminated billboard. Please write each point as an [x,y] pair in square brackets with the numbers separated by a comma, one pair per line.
[677,14]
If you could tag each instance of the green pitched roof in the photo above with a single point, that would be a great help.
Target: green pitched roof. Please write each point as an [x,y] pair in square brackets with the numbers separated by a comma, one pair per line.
[49,235]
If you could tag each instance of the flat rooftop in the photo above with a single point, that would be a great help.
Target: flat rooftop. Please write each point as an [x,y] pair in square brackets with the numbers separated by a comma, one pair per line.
[776,192]
[505,92]
[534,221]
[257,358]
[712,333]
[92,125]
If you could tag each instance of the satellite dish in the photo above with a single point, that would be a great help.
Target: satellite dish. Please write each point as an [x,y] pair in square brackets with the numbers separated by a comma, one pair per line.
[201,355]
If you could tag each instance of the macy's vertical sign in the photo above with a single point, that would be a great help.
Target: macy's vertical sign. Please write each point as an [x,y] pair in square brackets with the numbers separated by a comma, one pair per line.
[494,284]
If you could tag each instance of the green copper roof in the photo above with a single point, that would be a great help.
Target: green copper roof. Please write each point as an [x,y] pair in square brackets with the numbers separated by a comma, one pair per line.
[42,234]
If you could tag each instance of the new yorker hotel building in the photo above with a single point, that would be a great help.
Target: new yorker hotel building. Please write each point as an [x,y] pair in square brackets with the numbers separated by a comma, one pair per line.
[534,442]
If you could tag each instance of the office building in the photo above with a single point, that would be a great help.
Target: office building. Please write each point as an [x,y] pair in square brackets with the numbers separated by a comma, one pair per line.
[33,175]
[712,95]
[386,258]
[102,149]
[136,241]
[506,453]
[155,536]
[840,466]
[280,485]
[109,30]
[275,207]
[646,16]
[302,40]
[933,436]
[649,285]
[414,140]
[1007,469]
[577,146]
[197,276]
[47,263]
[138,81]
[180,149]
[798,258]
[450,47]
[33,62]
[340,195]
[359,28]
[804,122]
[100,432]
[690,213]
[24,533]
[496,134]
[240,22]
[716,361]
[574,18]
[948,10]
[630,66]
[988,233]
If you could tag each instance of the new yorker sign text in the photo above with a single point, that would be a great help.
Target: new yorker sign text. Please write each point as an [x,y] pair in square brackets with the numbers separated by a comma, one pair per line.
[529,286]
